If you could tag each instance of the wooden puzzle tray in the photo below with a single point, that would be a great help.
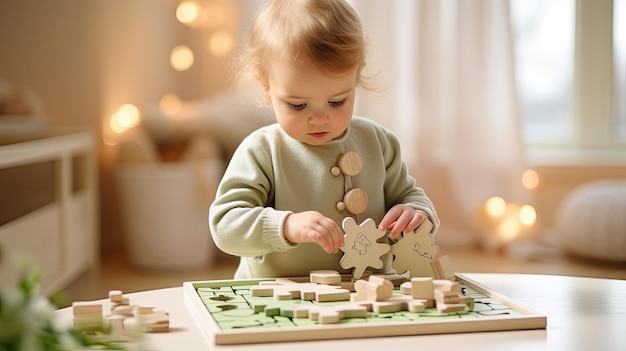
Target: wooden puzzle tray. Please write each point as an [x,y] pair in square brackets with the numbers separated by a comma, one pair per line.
[226,313]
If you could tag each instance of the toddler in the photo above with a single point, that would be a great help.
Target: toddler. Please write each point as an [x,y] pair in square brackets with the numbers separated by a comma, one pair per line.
[289,185]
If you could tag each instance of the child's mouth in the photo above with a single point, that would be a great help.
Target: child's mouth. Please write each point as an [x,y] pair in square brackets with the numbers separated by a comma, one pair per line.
[318,134]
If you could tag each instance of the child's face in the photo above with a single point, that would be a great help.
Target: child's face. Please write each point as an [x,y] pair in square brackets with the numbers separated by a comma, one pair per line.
[311,106]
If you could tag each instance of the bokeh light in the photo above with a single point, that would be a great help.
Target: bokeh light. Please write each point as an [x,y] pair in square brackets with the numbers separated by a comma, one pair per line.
[221,42]
[527,215]
[530,179]
[181,58]
[187,12]
[126,117]
[495,206]
[509,229]
[170,104]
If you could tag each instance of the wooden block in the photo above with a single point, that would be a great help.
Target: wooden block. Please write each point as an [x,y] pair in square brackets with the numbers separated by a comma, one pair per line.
[332,295]
[282,295]
[157,316]
[384,288]
[116,323]
[446,308]
[368,305]
[360,287]
[375,289]
[389,306]
[443,268]
[262,290]
[348,285]
[157,327]
[398,303]
[468,301]
[89,322]
[86,308]
[446,285]
[422,288]
[406,288]
[142,310]
[282,288]
[122,301]
[124,310]
[328,317]
[417,305]
[329,314]
[328,277]
[115,295]
[446,297]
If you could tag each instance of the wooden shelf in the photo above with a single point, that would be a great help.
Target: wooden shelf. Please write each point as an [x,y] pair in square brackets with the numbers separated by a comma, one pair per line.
[48,210]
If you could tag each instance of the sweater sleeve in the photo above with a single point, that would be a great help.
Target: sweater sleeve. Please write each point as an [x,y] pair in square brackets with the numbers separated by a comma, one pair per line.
[242,219]
[400,187]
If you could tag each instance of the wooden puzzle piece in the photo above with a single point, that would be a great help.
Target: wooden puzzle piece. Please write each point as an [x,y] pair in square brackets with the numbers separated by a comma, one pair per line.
[361,249]
[415,251]
[374,289]
[329,277]
[285,289]
[395,304]
[89,316]
[273,307]
[329,314]
[443,268]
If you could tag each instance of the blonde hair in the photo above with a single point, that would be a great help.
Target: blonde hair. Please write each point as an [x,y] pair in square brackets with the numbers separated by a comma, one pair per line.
[325,33]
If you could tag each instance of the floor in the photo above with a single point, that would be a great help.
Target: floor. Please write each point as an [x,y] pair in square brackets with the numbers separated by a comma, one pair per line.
[117,273]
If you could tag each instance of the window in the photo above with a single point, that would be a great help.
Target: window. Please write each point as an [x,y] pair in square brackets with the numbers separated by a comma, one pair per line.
[619,66]
[544,46]
[570,70]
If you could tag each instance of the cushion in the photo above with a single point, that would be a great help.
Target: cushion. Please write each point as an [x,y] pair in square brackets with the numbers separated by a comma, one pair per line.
[591,220]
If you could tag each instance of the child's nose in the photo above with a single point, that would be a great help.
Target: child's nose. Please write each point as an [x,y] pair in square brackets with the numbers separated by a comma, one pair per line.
[318,116]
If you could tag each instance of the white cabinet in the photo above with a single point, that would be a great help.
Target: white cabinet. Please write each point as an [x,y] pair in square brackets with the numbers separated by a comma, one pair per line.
[48,206]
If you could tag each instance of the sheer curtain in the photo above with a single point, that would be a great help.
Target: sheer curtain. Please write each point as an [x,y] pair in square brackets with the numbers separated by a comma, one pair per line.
[446,68]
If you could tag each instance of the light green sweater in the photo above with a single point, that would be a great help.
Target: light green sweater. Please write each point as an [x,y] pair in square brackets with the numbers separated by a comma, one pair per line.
[272,175]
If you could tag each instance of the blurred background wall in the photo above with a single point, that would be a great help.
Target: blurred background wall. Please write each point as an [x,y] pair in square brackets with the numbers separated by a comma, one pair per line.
[87,58]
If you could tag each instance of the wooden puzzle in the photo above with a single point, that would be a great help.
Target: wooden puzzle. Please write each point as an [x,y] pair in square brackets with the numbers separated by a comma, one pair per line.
[275,310]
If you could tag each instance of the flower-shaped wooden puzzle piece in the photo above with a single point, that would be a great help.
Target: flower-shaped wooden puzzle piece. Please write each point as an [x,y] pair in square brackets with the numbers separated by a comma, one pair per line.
[415,251]
[361,249]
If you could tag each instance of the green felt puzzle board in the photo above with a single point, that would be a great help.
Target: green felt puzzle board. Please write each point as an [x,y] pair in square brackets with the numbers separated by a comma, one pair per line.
[225,312]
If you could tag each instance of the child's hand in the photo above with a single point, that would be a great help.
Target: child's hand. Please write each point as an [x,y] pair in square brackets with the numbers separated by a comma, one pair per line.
[402,218]
[313,227]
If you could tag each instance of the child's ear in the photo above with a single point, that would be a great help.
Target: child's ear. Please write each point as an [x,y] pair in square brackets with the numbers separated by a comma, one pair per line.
[268,96]
[265,85]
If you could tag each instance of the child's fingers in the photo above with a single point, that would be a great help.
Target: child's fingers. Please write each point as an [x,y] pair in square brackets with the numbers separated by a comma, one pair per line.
[404,219]
[330,235]
[389,220]
[401,225]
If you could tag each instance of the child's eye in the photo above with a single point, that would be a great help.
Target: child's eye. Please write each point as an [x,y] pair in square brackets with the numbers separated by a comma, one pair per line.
[332,103]
[297,106]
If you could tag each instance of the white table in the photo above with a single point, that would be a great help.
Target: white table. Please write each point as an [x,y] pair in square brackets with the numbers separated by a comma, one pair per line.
[582,313]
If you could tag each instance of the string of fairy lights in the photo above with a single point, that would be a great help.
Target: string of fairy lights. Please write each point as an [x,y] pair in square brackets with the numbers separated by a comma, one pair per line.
[196,14]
